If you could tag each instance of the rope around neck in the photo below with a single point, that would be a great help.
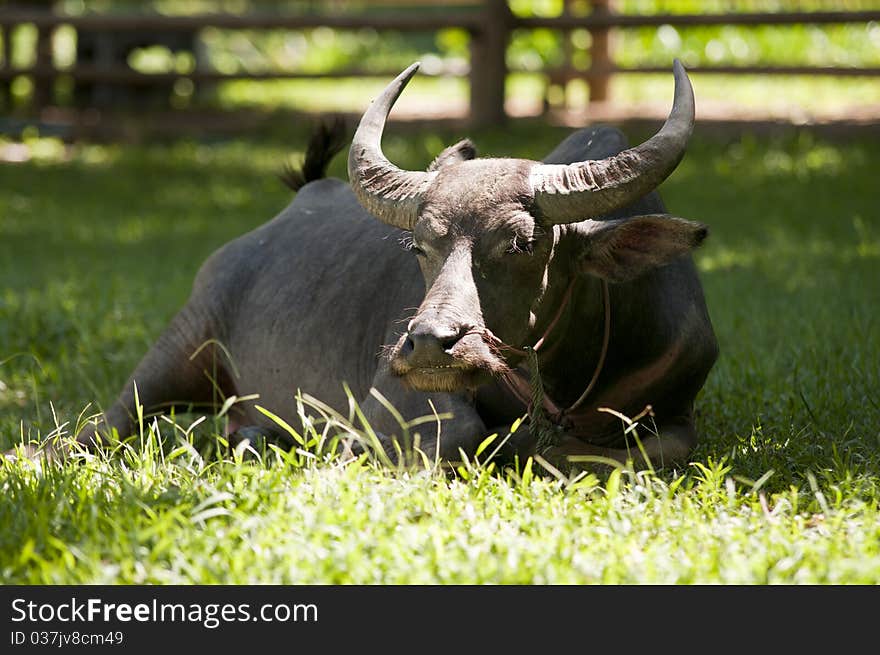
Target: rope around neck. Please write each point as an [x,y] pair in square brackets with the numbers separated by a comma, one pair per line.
[606,301]
[545,416]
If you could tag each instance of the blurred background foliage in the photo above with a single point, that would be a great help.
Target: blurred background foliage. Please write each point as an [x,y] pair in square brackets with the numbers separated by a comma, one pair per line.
[445,53]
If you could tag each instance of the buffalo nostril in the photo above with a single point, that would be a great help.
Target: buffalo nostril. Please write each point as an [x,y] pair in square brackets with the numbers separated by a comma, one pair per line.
[431,341]
[444,337]
[447,341]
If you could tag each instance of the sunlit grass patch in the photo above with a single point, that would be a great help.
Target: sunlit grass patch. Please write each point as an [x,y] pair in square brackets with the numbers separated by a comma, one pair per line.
[154,514]
[346,95]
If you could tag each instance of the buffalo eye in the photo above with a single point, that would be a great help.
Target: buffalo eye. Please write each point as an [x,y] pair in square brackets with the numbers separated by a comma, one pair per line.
[520,245]
[406,241]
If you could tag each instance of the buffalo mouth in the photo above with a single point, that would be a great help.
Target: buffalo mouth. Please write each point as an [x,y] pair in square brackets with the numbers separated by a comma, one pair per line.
[444,378]
[473,362]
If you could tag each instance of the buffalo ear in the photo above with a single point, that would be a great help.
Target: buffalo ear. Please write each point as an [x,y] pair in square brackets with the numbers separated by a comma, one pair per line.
[620,250]
[461,151]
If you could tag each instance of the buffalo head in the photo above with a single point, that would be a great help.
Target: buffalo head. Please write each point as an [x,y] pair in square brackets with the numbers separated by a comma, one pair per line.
[499,240]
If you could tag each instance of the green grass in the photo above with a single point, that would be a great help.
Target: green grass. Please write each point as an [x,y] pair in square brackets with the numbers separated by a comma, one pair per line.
[98,246]
[763,95]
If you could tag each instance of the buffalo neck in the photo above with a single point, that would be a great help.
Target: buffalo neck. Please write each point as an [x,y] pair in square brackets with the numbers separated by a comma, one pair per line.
[571,352]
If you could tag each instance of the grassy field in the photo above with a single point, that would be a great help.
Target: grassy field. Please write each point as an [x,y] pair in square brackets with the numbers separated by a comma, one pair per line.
[98,247]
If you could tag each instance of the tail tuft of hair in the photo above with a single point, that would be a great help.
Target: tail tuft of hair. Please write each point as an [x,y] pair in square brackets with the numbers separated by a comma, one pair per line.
[328,138]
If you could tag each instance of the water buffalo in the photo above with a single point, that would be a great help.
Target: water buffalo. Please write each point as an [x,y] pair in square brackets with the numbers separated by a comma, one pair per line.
[573,257]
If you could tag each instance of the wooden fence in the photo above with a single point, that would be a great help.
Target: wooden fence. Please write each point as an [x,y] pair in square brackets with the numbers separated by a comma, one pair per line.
[489,25]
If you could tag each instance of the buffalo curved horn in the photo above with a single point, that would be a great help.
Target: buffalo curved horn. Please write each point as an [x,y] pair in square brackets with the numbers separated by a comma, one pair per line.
[391,194]
[568,193]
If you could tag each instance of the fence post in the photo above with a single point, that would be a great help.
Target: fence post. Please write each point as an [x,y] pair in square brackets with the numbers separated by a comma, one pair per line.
[489,65]
[43,84]
[600,55]
[7,63]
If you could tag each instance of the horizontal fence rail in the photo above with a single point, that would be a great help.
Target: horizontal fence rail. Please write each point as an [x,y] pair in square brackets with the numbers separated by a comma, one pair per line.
[403,23]
[693,20]
[123,75]
[465,20]
[489,24]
